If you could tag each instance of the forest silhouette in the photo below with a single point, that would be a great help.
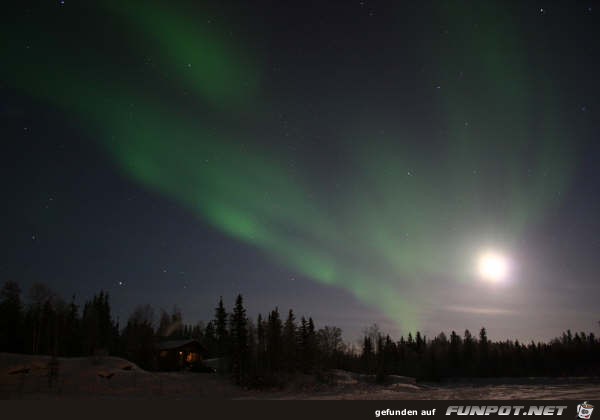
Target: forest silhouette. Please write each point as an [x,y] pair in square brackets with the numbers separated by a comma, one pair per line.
[273,348]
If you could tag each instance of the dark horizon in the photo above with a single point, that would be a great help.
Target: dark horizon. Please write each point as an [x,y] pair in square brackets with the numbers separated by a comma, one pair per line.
[424,166]
[272,351]
[252,316]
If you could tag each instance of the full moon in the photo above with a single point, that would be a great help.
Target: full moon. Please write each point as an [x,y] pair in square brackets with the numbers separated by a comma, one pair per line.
[492,267]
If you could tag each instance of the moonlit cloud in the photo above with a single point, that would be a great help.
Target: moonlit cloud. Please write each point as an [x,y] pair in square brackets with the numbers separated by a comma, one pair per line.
[480,311]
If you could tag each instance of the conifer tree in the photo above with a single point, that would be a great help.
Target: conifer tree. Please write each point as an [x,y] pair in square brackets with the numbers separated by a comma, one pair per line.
[290,339]
[239,341]
[222,335]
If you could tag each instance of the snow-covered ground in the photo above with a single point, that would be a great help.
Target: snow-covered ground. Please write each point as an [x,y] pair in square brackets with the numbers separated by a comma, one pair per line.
[23,376]
[485,392]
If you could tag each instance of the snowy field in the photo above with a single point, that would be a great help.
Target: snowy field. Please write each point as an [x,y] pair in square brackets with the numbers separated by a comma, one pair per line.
[26,377]
[485,392]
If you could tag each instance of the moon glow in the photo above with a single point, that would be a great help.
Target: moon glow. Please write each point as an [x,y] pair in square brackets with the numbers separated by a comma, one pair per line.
[492,267]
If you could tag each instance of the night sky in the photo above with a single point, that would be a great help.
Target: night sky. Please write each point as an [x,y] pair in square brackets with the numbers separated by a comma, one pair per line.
[421,165]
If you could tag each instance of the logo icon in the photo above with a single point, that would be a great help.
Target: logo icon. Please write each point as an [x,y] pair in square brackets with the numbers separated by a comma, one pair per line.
[584,410]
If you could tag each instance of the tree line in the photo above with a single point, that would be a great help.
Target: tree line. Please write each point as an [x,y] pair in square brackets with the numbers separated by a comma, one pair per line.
[275,347]
[469,356]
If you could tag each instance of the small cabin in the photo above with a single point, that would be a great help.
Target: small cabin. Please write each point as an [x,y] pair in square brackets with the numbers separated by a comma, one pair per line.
[179,354]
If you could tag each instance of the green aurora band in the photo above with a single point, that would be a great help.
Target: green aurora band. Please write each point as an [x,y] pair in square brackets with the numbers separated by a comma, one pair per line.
[401,220]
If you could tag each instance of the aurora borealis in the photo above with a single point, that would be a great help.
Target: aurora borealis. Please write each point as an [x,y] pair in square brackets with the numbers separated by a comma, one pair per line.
[368,150]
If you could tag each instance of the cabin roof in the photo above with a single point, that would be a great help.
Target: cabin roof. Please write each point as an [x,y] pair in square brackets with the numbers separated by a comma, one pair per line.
[175,344]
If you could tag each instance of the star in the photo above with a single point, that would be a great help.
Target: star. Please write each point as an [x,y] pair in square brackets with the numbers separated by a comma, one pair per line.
[121,283]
